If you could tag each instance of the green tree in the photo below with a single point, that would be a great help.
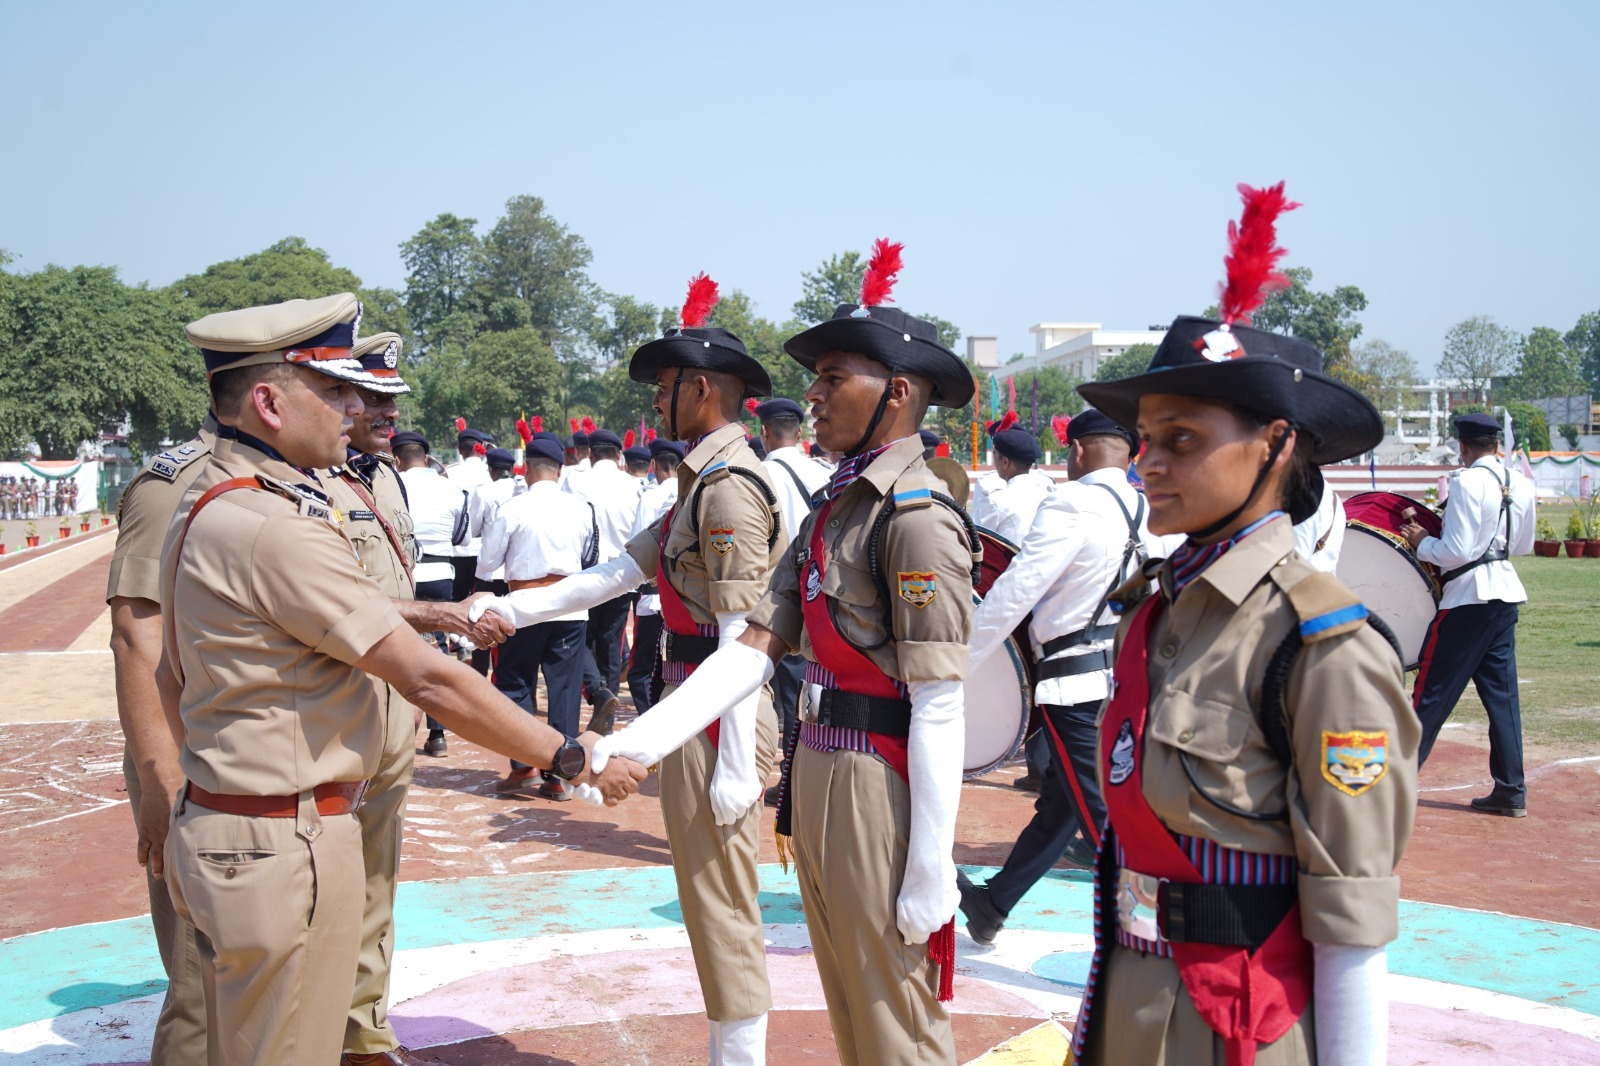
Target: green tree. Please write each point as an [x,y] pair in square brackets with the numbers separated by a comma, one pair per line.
[443,260]
[1548,368]
[1478,350]
[1325,319]
[490,381]
[1584,338]
[1528,423]
[1383,374]
[1134,360]
[628,324]
[531,258]
[764,340]
[289,270]
[837,281]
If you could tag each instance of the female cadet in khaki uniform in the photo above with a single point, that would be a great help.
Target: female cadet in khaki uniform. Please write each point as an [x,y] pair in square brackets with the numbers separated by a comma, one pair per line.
[1260,793]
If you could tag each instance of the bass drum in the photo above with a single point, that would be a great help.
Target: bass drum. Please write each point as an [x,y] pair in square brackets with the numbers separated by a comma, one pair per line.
[999,693]
[1384,572]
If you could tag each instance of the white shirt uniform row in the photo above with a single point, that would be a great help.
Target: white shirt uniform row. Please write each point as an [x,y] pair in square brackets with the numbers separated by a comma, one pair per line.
[467,475]
[436,504]
[1473,524]
[796,477]
[615,495]
[483,503]
[537,533]
[654,502]
[1006,507]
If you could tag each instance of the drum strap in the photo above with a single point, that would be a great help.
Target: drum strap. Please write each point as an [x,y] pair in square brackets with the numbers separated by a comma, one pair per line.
[1493,555]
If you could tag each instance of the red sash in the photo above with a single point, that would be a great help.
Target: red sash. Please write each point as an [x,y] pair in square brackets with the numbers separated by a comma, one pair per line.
[854,672]
[1246,997]
[675,614]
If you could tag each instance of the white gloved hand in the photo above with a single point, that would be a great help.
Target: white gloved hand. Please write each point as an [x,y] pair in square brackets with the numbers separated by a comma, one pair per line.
[1351,1004]
[734,784]
[590,794]
[728,676]
[581,591]
[928,894]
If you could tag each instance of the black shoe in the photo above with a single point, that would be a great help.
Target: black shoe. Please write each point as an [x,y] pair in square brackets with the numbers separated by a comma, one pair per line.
[1027,782]
[436,746]
[984,920]
[606,706]
[1492,804]
[1079,852]
[770,796]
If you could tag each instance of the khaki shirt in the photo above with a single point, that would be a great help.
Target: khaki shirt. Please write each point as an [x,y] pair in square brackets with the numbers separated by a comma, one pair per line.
[724,565]
[929,636]
[373,547]
[1208,655]
[268,611]
[145,511]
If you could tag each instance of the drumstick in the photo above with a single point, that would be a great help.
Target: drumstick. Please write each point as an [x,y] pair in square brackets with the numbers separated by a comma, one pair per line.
[1409,514]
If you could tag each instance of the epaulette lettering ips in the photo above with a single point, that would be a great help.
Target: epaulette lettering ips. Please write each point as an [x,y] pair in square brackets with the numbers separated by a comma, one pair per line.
[311,503]
[1322,603]
[167,464]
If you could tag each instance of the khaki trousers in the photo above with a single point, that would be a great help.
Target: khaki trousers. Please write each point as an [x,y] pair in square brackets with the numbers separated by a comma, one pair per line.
[382,817]
[852,824]
[276,907]
[1144,1014]
[715,867]
[180,1037]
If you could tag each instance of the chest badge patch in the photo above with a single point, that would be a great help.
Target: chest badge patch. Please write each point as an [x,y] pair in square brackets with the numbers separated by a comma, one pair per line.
[721,540]
[813,583]
[1121,767]
[1353,762]
[918,587]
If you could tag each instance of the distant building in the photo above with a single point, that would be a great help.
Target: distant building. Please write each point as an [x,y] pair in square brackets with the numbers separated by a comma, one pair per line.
[1078,347]
[983,352]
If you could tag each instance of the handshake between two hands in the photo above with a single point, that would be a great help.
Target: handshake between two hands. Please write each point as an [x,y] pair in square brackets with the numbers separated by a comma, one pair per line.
[608,779]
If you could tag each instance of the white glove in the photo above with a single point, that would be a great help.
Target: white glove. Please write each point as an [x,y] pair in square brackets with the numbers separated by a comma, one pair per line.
[728,676]
[1350,998]
[590,794]
[734,784]
[583,590]
[928,893]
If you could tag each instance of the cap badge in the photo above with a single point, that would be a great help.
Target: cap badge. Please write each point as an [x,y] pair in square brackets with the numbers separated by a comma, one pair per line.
[1219,346]
[391,355]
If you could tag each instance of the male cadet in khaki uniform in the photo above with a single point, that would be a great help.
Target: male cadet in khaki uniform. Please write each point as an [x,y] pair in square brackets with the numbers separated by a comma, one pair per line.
[150,757]
[270,627]
[876,778]
[711,558]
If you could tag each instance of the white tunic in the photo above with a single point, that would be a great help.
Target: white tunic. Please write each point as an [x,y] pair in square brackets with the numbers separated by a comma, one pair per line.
[1472,525]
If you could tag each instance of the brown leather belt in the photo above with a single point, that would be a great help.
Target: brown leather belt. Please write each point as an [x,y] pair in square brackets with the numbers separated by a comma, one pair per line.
[535,583]
[332,797]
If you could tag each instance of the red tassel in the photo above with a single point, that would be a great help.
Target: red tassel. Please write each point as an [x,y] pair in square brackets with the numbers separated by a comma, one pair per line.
[698,304]
[942,953]
[882,272]
[649,435]
[805,448]
[538,424]
[523,431]
[627,439]
[574,423]
[751,403]
[461,424]
[588,424]
[479,449]
[1253,253]
[1059,424]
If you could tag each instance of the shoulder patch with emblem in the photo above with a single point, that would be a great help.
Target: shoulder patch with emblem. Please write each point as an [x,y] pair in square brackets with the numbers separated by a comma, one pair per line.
[917,587]
[1354,761]
[721,540]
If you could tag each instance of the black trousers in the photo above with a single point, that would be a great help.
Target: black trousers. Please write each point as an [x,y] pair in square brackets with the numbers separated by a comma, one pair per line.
[1065,802]
[556,648]
[436,591]
[1478,643]
[642,663]
[607,624]
[466,576]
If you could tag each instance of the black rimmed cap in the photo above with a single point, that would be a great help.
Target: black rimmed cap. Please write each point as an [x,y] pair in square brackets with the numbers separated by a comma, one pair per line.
[889,336]
[1091,423]
[1018,444]
[500,457]
[1266,373]
[636,454]
[779,407]
[700,348]
[468,437]
[930,439]
[410,436]
[1476,426]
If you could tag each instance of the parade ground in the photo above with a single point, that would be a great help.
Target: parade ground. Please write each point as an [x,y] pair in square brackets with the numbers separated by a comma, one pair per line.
[533,932]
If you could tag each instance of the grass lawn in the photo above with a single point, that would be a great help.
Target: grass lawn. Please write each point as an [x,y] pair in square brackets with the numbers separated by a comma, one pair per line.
[1558,656]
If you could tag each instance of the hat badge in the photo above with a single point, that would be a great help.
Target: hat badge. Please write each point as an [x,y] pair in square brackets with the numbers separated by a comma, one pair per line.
[1219,345]
[391,355]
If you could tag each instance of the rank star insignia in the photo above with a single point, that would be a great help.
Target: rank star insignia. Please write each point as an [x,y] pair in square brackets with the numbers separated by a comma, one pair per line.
[1353,762]
[918,587]
[721,540]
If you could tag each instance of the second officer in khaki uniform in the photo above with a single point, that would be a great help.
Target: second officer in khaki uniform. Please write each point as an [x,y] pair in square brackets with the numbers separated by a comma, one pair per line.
[270,627]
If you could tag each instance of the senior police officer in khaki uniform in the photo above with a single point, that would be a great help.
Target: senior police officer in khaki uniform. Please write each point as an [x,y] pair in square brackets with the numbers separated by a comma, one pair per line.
[269,628]
[876,776]
[711,557]
[150,754]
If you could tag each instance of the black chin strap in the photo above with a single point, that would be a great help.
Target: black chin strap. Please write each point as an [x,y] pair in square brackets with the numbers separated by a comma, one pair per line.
[672,410]
[872,426]
[1261,479]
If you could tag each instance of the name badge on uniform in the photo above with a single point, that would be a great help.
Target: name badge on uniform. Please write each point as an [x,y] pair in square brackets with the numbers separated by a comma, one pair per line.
[361,516]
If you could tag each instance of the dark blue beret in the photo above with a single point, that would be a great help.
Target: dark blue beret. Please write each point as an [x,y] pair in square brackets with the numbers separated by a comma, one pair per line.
[1017,443]
[546,446]
[469,437]
[779,407]
[602,438]
[500,457]
[1092,423]
[410,436]
[578,440]
[545,434]
[663,446]
[636,454]
[930,439]
[1476,426]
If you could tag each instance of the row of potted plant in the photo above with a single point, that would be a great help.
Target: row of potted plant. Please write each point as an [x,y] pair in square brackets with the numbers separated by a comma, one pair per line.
[31,536]
[1583,533]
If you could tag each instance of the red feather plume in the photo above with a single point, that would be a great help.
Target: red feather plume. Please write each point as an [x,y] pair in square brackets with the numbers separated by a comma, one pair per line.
[698,304]
[882,272]
[479,449]
[538,424]
[1007,420]
[461,424]
[627,439]
[1059,425]
[574,423]
[1253,253]
[523,431]
[649,435]
[588,424]
[942,449]
[751,403]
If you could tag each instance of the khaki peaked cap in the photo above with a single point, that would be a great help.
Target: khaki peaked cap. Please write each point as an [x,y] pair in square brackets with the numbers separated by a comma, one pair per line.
[317,334]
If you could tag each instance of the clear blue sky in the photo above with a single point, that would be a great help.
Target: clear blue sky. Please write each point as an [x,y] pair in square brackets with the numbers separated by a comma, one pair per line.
[1050,161]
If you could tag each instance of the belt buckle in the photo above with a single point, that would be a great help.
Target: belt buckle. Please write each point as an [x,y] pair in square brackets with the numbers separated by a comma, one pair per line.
[1138,905]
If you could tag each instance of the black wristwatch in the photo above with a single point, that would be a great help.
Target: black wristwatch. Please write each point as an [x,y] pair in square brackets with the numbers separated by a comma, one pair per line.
[570,761]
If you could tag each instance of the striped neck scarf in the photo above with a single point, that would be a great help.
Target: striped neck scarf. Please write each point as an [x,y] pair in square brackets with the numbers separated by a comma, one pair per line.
[1191,559]
[850,469]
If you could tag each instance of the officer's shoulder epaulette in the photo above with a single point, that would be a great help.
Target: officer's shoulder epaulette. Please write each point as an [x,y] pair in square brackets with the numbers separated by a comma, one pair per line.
[310,502]
[716,472]
[169,463]
[1324,605]
[914,488]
